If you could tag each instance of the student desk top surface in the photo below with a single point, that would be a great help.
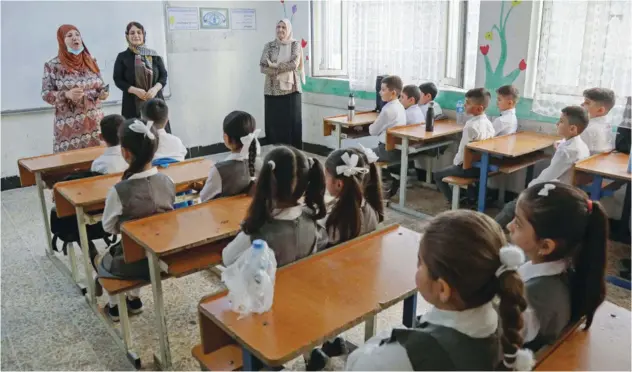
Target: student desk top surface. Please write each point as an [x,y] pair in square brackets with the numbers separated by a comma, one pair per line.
[90,193]
[511,145]
[359,119]
[613,165]
[181,229]
[319,297]
[61,162]
[417,132]
[603,347]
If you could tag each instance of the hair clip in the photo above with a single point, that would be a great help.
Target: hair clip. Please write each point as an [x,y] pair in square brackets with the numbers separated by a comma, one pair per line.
[371,156]
[310,162]
[350,168]
[511,257]
[247,140]
[544,191]
[589,206]
[272,164]
[139,127]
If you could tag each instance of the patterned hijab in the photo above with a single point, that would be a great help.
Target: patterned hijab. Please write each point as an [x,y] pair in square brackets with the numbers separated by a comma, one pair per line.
[81,62]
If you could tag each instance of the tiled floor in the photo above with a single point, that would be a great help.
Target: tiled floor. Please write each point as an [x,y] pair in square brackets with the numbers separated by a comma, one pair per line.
[47,325]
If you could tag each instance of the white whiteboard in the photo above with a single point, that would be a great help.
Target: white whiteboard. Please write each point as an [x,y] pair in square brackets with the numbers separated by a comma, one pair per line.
[29,39]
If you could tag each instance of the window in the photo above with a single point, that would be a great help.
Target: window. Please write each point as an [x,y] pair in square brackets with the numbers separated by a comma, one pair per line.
[417,40]
[582,45]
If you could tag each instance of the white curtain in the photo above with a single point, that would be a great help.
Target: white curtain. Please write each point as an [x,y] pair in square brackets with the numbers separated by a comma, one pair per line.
[399,37]
[583,44]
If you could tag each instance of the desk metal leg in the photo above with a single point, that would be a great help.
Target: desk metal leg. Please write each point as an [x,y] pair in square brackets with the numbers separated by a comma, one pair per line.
[482,186]
[339,135]
[161,323]
[403,173]
[40,192]
[73,262]
[595,188]
[85,251]
[369,327]
[410,311]
[429,170]
[251,362]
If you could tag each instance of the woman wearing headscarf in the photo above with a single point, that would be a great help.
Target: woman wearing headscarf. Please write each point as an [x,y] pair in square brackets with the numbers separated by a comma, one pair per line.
[139,72]
[72,84]
[282,64]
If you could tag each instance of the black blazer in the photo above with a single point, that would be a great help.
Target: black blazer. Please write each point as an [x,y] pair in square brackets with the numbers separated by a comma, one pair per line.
[124,77]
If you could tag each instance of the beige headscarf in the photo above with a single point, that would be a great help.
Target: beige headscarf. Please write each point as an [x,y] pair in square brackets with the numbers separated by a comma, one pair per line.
[286,79]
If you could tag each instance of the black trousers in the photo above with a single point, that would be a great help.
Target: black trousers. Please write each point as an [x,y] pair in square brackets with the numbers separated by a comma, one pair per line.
[283,120]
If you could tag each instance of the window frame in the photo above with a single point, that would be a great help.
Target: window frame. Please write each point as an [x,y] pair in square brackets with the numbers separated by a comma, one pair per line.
[316,52]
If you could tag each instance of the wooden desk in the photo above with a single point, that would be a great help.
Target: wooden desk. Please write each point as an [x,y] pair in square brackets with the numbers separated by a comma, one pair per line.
[35,170]
[611,165]
[603,347]
[185,231]
[509,146]
[413,139]
[339,123]
[319,297]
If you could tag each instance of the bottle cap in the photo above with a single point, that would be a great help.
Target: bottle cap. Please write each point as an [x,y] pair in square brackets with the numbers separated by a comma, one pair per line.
[258,244]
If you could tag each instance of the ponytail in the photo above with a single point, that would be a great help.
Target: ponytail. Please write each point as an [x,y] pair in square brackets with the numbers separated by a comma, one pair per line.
[252,157]
[260,210]
[588,280]
[512,305]
[346,216]
[140,145]
[315,192]
[373,191]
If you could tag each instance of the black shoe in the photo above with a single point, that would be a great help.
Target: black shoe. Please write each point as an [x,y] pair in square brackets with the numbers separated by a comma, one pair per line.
[421,174]
[134,306]
[112,312]
[335,348]
[98,289]
[318,361]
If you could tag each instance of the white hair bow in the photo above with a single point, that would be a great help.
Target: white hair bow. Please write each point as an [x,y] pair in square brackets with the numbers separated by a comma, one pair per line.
[511,258]
[247,140]
[544,191]
[350,168]
[370,154]
[140,127]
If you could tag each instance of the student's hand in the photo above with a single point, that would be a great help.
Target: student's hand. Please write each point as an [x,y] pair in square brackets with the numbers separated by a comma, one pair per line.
[74,94]
[104,95]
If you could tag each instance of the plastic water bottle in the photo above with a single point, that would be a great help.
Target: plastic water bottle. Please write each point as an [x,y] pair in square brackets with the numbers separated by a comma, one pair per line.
[351,108]
[430,117]
[260,273]
[460,112]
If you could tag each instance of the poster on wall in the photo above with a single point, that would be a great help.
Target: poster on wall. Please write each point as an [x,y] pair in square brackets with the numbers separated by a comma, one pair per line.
[182,19]
[243,19]
[214,18]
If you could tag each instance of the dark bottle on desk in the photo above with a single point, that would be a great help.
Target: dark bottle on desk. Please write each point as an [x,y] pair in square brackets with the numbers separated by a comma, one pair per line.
[430,118]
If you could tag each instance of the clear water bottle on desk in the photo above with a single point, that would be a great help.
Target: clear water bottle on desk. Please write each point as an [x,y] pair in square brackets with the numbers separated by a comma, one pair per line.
[430,117]
[460,112]
[351,108]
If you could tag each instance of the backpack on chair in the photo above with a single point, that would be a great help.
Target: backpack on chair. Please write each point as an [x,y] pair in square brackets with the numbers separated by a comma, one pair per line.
[67,230]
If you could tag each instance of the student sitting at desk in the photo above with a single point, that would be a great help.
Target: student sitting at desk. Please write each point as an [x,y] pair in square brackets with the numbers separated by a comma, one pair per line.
[235,174]
[276,213]
[570,150]
[393,114]
[169,146]
[112,160]
[429,92]
[142,192]
[559,228]
[410,100]
[506,99]
[462,265]
[599,135]
[478,128]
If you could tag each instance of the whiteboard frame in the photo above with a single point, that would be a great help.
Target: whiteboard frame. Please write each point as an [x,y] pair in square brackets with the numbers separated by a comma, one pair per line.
[106,103]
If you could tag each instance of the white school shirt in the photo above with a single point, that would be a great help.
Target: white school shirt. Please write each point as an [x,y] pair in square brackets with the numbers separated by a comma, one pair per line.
[169,146]
[506,123]
[114,208]
[528,271]
[477,128]
[392,115]
[567,154]
[213,185]
[598,135]
[111,161]
[414,115]
[480,322]
[424,110]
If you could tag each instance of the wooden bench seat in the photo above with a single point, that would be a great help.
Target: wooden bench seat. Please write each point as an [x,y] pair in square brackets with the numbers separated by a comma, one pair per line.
[227,358]
[458,183]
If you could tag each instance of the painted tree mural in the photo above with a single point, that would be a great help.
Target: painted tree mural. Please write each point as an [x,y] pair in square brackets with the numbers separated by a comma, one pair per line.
[495,78]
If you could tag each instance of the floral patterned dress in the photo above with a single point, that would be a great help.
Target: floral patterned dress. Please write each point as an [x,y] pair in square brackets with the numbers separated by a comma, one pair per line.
[76,123]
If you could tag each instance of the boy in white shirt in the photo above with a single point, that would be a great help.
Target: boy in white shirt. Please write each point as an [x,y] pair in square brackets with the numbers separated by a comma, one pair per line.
[506,99]
[478,128]
[598,136]
[112,160]
[429,92]
[573,122]
[393,114]
[169,146]
[410,100]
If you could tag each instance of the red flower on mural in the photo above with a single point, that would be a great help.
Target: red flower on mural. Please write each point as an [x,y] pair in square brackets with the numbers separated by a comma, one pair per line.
[282,1]
[307,58]
[522,65]
[303,43]
[484,49]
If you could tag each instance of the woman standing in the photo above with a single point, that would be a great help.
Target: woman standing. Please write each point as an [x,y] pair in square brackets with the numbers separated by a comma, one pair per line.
[72,83]
[282,63]
[139,72]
